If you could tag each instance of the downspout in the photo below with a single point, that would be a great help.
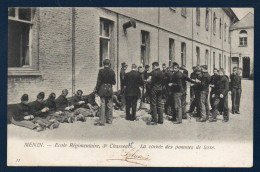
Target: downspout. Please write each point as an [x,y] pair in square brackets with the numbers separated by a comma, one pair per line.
[73,50]
[192,37]
[117,50]
[38,34]
[158,34]
[211,33]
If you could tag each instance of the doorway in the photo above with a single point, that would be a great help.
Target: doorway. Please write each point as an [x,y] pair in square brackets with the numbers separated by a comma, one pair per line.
[246,67]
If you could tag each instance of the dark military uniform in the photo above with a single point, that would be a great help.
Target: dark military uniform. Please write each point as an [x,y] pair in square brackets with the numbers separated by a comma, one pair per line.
[192,92]
[195,102]
[177,88]
[106,78]
[147,86]
[18,112]
[61,102]
[203,87]
[133,81]
[213,80]
[156,95]
[235,87]
[169,102]
[222,87]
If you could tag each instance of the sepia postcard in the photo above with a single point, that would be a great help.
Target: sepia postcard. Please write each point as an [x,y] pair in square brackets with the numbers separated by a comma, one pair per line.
[130,87]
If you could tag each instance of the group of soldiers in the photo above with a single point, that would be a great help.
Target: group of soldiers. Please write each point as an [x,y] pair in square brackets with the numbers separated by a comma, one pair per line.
[165,90]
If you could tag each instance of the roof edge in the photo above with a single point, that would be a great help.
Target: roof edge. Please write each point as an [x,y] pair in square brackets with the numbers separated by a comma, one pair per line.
[231,14]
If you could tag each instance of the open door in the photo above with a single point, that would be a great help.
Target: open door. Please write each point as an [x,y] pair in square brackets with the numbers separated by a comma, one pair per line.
[246,67]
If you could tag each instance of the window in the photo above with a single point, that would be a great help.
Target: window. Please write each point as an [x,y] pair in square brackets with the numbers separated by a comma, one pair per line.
[220,61]
[243,38]
[19,31]
[183,53]
[225,32]
[220,28]
[229,64]
[183,12]
[214,23]
[198,16]
[207,19]
[198,55]
[225,62]
[145,47]
[214,60]
[173,9]
[206,57]
[105,40]
[171,51]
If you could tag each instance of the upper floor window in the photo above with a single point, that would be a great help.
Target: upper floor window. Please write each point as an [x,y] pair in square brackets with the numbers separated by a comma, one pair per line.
[183,12]
[225,32]
[105,39]
[198,55]
[220,29]
[207,19]
[214,23]
[243,38]
[198,16]
[19,31]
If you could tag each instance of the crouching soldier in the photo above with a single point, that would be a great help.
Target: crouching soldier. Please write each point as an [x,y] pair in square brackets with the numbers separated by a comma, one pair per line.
[20,114]
[52,114]
[63,106]
[40,112]
[78,105]
[221,97]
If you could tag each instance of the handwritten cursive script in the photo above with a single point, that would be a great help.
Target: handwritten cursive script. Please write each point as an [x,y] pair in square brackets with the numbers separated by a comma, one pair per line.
[132,156]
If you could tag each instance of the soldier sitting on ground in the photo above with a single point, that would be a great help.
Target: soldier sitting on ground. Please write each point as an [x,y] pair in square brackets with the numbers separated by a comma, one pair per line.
[20,114]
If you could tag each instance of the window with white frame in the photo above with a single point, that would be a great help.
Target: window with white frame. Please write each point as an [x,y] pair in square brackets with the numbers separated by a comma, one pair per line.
[183,53]
[214,23]
[198,55]
[19,36]
[145,47]
[214,59]
[220,61]
[225,32]
[207,20]
[198,16]
[243,38]
[206,57]
[220,29]
[105,36]
[171,51]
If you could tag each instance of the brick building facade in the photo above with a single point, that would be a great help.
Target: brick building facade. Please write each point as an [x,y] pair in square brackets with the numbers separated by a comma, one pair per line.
[57,48]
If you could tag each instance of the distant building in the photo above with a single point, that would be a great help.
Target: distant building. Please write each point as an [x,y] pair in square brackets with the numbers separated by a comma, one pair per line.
[242,45]
[50,49]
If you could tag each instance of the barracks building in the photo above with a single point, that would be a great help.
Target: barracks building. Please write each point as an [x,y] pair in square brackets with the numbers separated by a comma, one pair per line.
[50,49]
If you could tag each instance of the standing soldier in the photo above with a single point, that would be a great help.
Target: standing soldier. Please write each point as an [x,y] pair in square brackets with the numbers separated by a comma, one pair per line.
[157,77]
[213,80]
[105,81]
[122,78]
[185,78]
[142,97]
[169,102]
[147,85]
[203,86]
[235,86]
[133,81]
[220,96]
[192,76]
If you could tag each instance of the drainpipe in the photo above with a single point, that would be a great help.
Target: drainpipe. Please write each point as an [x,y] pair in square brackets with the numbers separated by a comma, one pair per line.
[192,37]
[158,34]
[117,49]
[73,50]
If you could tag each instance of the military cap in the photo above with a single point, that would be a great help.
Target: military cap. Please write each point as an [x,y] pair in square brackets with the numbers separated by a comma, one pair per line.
[41,95]
[52,96]
[124,64]
[79,92]
[175,64]
[106,62]
[24,98]
[204,67]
